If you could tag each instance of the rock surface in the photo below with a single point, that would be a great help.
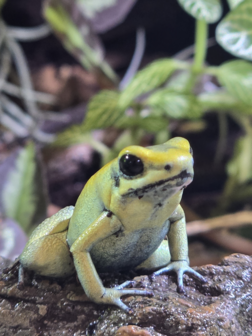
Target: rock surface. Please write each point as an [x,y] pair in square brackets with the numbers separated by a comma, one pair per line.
[222,306]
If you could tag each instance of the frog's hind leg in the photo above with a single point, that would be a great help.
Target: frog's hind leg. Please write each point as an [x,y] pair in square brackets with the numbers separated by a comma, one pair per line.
[16,265]
[47,252]
[11,266]
[160,258]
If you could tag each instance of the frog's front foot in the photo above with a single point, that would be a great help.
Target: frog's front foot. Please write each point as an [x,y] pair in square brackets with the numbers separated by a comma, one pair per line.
[113,296]
[181,267]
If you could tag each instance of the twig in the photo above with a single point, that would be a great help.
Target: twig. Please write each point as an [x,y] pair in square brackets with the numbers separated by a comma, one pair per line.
[136,59]
[230,241]
[16,91]
[4,65]
[10,123]
[223,238]
[24,75]
[14,110]
[29,34]
[237,219]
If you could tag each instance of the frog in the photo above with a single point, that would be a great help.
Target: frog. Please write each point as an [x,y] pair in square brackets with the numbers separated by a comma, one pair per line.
[127,217]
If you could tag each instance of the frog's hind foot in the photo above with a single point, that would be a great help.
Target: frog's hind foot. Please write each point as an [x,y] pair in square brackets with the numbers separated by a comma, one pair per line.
[16,266]
[12,266]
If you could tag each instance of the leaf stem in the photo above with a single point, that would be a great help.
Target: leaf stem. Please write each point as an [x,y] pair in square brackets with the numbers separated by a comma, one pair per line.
[201,45]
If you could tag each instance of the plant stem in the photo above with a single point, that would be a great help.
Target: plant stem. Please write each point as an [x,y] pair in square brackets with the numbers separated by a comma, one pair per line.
[200,45]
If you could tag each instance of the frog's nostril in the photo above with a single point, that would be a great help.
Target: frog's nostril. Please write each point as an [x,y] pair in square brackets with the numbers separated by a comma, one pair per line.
[167,167]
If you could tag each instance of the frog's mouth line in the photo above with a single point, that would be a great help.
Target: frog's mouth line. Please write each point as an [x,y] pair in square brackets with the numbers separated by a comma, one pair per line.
[147,188]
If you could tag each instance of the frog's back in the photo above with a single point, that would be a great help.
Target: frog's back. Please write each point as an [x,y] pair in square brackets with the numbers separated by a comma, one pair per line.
[93,200]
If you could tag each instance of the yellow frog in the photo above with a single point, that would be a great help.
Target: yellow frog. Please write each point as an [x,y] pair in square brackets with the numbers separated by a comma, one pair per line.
[119,222]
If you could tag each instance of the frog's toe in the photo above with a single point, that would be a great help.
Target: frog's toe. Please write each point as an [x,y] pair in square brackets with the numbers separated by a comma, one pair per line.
[114,296]
[136,292]
[125,284]
[180,287]
[164,270]
[196,275]
[123,306]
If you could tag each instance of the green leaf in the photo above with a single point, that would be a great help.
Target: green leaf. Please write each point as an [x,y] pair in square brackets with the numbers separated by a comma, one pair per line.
[240,167]
[148,79]
[180,82]
[73,135]
[19,196]
[174,105]
[150,123]
[234,3]
[234,32]
[153,124]
[103,110]
[223,101]
[236,76]
[206,10]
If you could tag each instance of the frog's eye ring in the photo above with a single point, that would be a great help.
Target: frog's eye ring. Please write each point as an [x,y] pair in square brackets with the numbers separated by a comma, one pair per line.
[131,165]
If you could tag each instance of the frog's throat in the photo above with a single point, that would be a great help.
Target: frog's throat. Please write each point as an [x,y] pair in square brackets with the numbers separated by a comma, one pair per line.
[183,175]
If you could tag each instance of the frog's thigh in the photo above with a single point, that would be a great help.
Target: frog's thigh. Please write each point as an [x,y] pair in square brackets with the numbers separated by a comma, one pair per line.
[160,258]
[48,256]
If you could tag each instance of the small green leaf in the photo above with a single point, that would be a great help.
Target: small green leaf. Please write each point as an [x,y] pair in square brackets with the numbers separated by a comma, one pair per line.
[222,100]
[180,82]
[240,167]
[174,105]
[19,199]
[103,110]
[75,32]
[148,79]
[234,32]
[234,3]
[236,76]
[206,10]
[150,123]
[153,124]
[71,136]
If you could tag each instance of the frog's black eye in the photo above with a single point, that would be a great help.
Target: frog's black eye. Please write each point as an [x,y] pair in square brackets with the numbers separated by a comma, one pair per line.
[131,165]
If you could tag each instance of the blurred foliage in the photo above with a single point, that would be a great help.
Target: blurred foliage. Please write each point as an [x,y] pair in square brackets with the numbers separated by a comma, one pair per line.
[166,89]
[68,21]
[159,94]
[24,196]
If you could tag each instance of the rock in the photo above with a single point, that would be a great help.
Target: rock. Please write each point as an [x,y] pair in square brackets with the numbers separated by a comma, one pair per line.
[222,306]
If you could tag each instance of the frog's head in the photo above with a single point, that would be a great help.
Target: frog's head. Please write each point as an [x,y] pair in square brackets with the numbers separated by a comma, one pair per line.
[163,169]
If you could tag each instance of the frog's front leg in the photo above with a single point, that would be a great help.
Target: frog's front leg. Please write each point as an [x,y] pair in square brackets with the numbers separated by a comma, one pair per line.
[104,226]
[177,239]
